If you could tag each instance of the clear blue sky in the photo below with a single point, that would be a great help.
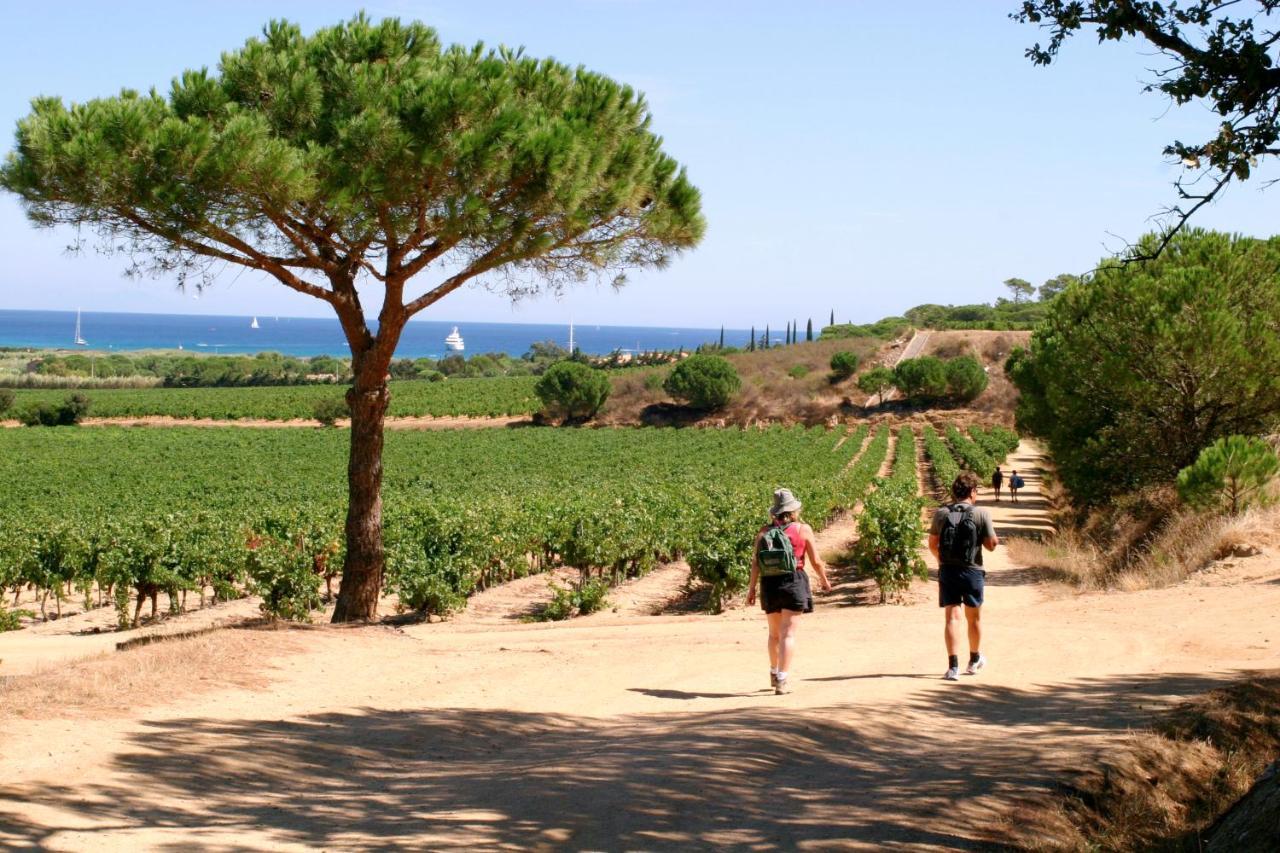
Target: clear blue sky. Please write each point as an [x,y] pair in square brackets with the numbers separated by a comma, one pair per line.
[857,156]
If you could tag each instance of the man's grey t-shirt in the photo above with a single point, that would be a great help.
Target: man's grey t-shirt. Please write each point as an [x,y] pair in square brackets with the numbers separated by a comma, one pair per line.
[981,517]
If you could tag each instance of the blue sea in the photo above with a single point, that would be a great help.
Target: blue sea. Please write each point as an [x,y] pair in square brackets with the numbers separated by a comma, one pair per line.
[310,336]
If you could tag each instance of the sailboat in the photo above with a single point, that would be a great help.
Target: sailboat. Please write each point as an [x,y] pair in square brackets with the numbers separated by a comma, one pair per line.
[454,341]
[80,341]
[254,324]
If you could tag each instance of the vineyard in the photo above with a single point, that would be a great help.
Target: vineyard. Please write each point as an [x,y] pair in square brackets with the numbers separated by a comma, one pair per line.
[489,397]
[118,516]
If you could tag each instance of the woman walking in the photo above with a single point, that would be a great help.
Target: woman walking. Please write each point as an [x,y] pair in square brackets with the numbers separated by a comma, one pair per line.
[778,561]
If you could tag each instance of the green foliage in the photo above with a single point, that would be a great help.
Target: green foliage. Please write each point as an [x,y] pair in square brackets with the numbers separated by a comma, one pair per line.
[11,620]
[572,390]
[843,365]
[1129,378]
[890,530]
[1021,289]
[584,596]
[876,381]
[904,458]
[1054,286]
[67,413]
[971,454]
[705,382]
[1004,314]
[945,469]
[6,400]
[799,371]
[281,573]
[885,330]
[501,396]
[328,409]
[966,378]
[921,379]
[1230,474]
[187,370]
[1225,61]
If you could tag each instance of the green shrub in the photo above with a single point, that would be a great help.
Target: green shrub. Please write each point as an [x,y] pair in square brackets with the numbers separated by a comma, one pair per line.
[6,400]
[11,620]
[800,371]
[921,379]
[327,410]
[585,596]
[965,378]
[889,533]
[572,390]
[720,555]
[282,573]
[706,382]
[67,413]
[843,365]
[1229,474]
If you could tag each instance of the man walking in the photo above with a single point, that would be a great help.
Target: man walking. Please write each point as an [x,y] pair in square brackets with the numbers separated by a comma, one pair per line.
[997,480]
[957,536]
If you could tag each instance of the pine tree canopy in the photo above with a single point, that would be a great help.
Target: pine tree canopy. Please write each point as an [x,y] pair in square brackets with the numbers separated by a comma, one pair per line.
[367,149]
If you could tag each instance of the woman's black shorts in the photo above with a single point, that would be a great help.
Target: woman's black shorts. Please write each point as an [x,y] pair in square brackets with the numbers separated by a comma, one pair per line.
[786,592]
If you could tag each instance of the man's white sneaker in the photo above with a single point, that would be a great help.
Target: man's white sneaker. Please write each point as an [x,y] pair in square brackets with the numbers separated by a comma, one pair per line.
[952,673]
[976,665]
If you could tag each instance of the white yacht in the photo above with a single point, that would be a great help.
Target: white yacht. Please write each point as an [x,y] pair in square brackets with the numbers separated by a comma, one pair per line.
[254,324]
[454,341]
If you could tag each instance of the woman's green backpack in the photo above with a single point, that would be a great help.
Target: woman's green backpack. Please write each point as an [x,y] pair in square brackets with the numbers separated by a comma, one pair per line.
[776,555]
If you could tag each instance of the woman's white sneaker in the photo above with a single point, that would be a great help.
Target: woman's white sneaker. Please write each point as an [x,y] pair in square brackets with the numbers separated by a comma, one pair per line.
[976,665]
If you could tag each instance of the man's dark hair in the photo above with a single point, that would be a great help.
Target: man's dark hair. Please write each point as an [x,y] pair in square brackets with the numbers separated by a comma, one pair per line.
[964,485]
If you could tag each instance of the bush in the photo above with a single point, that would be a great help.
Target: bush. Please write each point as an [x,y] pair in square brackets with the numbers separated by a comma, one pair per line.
[705,382]
[921,379]
[572,390]
[800,371]
[843,365]
[67,413]
[283,575]
[327,410]
[1229,474]
[889,533]
[6,400]
[966,378]
[11,620]
[578,599]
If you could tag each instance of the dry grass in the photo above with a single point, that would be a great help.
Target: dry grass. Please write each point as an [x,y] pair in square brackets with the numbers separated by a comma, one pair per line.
[769,391]
[116,683]
[1145,542]
[1164,788]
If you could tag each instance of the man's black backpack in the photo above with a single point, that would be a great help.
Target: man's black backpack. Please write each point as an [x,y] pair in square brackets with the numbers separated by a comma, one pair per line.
[776,555]
[960,542]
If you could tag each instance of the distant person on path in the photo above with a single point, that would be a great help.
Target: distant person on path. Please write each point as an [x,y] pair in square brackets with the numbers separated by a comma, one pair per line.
[997,480]
[781,551]
[1015,483]
[957,536]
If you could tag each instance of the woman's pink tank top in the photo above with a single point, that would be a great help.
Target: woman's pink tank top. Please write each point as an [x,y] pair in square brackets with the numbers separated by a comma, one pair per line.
[797,543]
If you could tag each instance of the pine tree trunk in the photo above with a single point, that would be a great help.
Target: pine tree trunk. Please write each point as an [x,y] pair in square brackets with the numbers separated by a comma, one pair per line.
[365,560]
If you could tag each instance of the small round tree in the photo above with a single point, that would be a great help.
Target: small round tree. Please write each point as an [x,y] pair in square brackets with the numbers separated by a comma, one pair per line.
[965,378]
[1229,474]
[876,381]
[572,390]
[706,382]
[843,365]
[923,378]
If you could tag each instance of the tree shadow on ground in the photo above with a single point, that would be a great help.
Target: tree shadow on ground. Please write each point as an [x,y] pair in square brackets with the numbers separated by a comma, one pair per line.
[761,778]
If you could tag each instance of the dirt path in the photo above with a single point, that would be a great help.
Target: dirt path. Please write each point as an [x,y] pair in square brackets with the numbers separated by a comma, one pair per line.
[639,731]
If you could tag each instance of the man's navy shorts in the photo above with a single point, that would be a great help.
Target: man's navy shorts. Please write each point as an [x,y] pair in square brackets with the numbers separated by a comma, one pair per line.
[960,585]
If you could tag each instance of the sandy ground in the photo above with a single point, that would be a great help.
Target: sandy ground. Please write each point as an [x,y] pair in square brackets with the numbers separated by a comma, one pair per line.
[625,730]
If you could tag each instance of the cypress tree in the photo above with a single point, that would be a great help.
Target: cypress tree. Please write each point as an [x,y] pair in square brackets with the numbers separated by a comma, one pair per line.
[722,337]
[752,348]
[833,316]
[808,330]
[766,335]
